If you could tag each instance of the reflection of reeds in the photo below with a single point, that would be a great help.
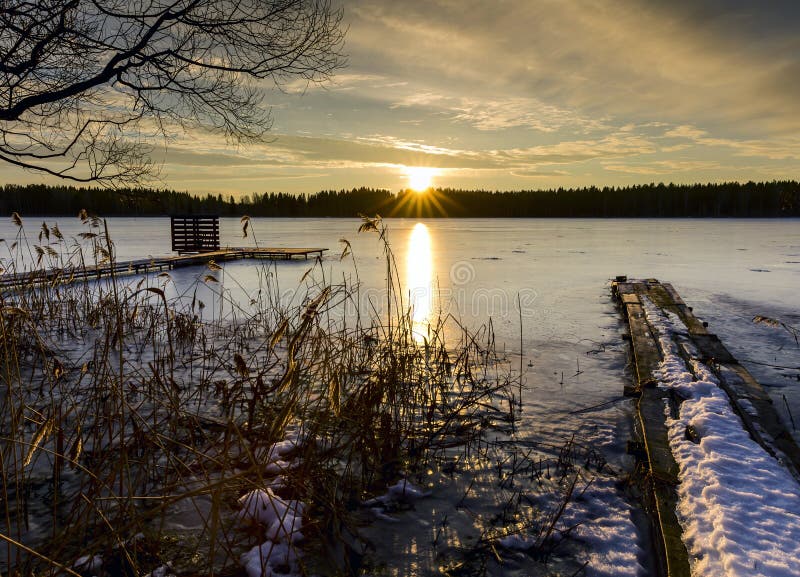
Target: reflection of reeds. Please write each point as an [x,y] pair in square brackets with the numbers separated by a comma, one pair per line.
[125,414]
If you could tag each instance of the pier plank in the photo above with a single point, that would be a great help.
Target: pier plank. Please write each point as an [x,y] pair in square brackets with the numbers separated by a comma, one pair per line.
[661,470]
[149,265]
[747,397]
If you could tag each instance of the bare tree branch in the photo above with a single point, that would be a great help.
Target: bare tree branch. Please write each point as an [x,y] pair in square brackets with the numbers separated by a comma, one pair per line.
[85,84]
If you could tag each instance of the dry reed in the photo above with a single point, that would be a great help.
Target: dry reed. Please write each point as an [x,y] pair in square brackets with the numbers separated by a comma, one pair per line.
[131,423]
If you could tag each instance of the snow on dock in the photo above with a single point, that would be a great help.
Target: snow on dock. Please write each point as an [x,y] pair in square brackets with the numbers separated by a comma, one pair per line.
[720,469]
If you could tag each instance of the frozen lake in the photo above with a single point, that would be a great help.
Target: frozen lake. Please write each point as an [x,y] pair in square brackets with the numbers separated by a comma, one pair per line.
[545,286]
[558,270]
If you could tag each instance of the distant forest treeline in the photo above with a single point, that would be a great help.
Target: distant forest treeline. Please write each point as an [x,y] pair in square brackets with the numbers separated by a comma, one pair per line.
[762,199]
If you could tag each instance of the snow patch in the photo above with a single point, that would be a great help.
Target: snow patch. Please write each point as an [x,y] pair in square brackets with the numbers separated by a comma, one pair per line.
[602,520]
[282,448]
[163,571]
[283,519]
[89,564]
[517,541]
[270,559]
[403,490]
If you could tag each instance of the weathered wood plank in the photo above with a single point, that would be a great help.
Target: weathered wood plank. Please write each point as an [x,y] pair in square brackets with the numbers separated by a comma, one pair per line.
[748,398]
[711,349]
[662,471]
[645,349]
[630,299]
[144,266]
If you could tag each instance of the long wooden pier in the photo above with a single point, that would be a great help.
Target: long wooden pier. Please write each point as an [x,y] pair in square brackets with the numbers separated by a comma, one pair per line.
[657,467]
[150,265]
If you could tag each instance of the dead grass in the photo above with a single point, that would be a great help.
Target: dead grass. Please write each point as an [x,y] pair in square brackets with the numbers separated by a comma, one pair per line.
[125,415]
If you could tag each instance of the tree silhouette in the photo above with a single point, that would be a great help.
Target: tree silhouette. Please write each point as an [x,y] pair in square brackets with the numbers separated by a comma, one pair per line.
[729,200]
[86,84]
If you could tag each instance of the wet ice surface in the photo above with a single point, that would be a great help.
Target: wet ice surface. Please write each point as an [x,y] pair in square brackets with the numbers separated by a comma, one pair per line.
[572,357]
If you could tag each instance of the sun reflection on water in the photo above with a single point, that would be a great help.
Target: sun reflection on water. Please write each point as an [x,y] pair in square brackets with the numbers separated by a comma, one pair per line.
[419,280]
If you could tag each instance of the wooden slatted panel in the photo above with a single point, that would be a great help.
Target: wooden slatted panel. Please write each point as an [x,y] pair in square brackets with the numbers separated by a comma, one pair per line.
[194,234]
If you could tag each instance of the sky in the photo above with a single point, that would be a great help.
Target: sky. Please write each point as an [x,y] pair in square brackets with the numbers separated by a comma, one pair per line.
[525,94]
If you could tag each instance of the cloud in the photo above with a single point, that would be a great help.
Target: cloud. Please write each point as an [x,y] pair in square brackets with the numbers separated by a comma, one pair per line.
[619,145]
[205,156]
[390,151]
[632,59]
[664,167]
[538,173]
[519,112]
[779,148]
[183,157]
[685,131]
[331,151]
[294,151]
[496,114]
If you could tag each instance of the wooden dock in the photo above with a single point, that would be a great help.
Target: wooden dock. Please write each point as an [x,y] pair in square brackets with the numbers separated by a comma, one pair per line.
[151,265]
[657,467]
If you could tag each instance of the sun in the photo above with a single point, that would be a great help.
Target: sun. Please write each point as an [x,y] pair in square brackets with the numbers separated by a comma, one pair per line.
[420,178]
